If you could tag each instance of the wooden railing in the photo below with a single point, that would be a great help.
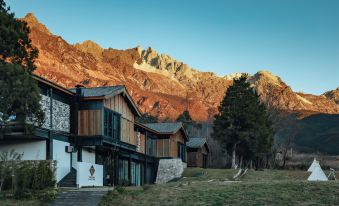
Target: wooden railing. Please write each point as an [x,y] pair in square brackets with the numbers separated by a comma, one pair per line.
[14,127]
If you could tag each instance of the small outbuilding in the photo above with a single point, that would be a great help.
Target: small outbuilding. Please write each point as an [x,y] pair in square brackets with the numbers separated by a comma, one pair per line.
[197,152]
[171,139]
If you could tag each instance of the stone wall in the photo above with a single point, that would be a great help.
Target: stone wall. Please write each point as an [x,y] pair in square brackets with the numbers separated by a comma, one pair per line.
[169,169]
[60,114]
[45,104]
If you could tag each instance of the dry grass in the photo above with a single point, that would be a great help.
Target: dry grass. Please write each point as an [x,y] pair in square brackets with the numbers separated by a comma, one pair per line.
[304,161]
[209,187]
[13,202]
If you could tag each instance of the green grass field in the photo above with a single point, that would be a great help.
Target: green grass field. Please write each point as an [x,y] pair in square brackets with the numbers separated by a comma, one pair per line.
[210,187]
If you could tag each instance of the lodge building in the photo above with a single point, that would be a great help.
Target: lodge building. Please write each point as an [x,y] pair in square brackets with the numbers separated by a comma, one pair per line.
[95,129]
[197,152]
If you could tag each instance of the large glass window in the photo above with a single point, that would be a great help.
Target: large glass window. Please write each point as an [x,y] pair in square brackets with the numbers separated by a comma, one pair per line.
[136,173]
[135,169]
[123,172]
[111,124]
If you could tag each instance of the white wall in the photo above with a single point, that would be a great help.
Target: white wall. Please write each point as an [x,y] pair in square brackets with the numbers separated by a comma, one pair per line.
[33,150]
[63,159]
[74,159]
[84,176]
[88,157]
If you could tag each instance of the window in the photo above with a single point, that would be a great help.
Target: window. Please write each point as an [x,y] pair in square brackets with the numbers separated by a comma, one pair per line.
[111,124]
[136,173]
[116,125]
[182,151]
[123,172]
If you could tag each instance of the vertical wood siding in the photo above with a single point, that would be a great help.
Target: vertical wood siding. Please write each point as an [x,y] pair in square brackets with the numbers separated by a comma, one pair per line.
[142,143]
[169,147]
[163,147]
[200,162]
[196,159]
[89,122]
[192,159]
[119,105]
[177,137]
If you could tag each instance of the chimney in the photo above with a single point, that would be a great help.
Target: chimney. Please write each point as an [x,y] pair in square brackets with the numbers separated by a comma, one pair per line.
[78,90]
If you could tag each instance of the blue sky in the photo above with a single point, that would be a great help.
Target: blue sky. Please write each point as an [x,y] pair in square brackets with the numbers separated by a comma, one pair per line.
[297,40]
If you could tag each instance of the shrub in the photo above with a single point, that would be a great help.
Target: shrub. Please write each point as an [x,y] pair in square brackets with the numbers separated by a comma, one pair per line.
[30,175]
[47,195]
[120,189]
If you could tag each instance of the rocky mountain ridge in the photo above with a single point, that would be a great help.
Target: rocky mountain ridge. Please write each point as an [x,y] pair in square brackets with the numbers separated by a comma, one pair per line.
[333,95]
[159,84]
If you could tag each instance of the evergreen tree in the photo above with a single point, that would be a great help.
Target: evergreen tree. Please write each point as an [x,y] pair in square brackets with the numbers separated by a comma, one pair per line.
[242,126]
[19,93]
[147,118]
[193,128]
[185,117]
[15,45]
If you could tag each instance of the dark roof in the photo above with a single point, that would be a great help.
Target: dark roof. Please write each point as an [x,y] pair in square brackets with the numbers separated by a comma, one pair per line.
[100,91]
[166,127]
[196,142]
[107,92]
[42,80]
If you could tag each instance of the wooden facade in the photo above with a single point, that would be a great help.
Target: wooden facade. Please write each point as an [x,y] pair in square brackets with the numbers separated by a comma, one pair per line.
[197,155]
[163,147]
[174,140]
[92,125]
[148,140]
[106,119]
[170,140]
[102,120]
[118,104]
[90,122]
[167,145]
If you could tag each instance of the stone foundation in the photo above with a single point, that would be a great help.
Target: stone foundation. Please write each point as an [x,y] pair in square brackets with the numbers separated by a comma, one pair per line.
[169,169]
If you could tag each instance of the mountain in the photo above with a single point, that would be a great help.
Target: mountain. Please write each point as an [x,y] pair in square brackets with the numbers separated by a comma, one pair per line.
[165,87]
[318,133]
[333,95]
[277,94]
[158,83]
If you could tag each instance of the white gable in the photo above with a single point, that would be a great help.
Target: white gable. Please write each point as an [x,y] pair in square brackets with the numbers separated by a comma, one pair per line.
[313,165]
[317,174]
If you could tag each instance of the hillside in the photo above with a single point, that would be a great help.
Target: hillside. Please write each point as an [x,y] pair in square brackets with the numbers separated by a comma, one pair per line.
[159,84]
[165,87]
[318,133]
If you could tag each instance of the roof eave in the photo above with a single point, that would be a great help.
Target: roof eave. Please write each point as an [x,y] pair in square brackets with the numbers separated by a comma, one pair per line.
[52,84]
[146,128]
[94,98]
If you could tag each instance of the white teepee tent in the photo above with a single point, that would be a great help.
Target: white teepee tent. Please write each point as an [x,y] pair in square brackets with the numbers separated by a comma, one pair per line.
[317,174]
[313,165]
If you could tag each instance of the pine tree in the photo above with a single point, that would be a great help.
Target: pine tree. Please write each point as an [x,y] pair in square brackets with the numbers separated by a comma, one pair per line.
[19,93]
[242,126]
[147,118]
[185,117]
